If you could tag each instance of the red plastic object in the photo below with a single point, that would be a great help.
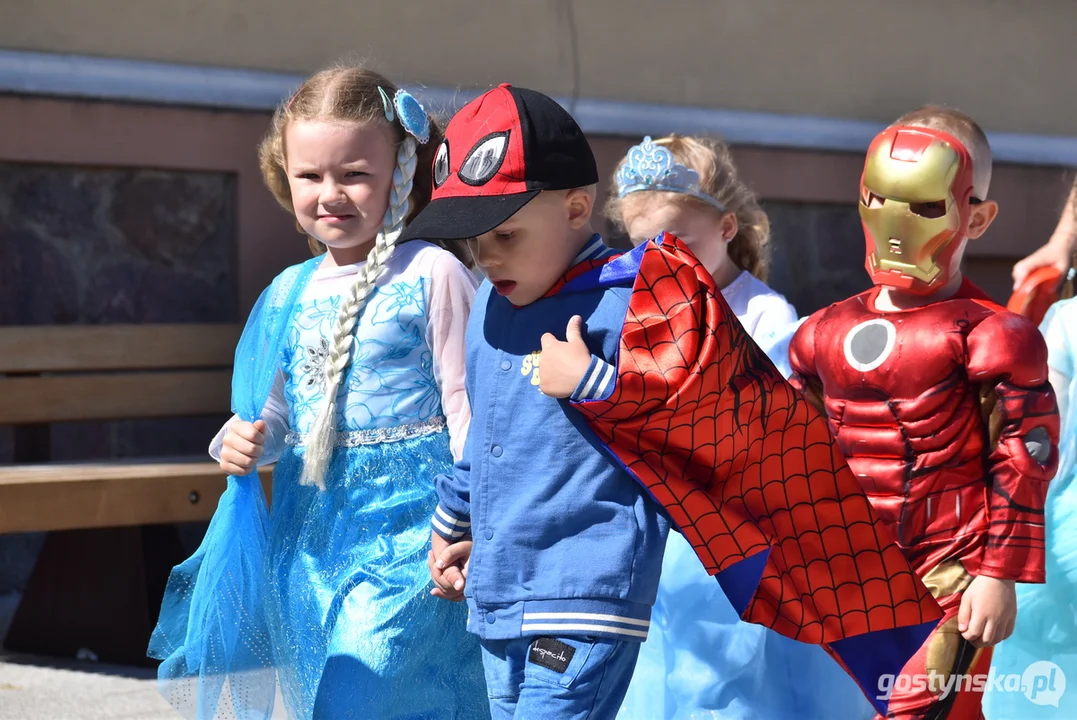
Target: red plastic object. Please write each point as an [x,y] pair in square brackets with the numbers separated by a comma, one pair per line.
[1036,293]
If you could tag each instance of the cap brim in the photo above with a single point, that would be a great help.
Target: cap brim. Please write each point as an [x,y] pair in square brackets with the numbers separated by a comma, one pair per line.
[460,218]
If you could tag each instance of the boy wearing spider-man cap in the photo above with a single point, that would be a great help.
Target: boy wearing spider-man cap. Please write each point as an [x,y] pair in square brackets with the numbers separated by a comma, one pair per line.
[657,405]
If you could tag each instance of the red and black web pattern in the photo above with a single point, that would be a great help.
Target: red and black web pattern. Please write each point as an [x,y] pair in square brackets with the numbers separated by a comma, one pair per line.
[743,464]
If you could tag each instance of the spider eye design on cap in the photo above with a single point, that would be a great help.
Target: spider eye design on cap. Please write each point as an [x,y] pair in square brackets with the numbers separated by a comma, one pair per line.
[441,164]
[485,159]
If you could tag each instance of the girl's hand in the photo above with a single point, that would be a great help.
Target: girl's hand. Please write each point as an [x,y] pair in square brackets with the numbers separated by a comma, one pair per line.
[448,567]
[243,444]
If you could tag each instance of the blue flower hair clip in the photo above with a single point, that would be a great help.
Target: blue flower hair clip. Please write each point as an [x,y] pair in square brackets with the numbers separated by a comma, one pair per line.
[410,112]
[652,167]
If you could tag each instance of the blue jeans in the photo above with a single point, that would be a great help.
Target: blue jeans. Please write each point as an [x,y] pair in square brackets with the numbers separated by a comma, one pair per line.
[563,678]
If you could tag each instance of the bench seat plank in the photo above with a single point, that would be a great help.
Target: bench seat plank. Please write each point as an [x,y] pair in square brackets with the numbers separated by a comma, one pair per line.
[61,398]
[93,495]
[81,348]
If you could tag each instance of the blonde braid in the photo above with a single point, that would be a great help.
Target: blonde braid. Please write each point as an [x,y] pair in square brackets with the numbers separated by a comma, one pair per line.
[322,435]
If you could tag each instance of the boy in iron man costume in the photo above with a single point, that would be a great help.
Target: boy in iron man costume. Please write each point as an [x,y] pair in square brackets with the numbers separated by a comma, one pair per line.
[939,400]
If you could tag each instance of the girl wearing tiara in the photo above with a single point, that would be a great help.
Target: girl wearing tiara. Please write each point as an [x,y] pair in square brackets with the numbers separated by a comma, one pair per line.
[700,661]
[349,376]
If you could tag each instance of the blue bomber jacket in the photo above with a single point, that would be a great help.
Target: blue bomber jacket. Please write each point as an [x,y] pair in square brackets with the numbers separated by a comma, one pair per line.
[566,543]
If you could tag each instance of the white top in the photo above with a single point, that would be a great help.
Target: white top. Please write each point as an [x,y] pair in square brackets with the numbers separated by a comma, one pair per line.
[763,312]
[407,364]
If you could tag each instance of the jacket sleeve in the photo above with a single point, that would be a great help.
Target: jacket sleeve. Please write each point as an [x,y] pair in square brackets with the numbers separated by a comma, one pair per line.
[452,517]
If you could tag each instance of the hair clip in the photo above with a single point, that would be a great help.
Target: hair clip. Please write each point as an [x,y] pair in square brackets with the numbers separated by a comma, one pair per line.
[652,167]
[386,104]
[412,116]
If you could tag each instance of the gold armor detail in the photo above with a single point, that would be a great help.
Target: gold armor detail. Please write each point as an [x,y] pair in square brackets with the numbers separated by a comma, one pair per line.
[945,580]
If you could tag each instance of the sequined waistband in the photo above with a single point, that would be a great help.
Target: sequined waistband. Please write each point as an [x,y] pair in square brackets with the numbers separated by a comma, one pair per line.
[356,438]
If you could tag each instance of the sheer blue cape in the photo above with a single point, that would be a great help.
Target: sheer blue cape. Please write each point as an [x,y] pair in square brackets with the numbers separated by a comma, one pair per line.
[212,627]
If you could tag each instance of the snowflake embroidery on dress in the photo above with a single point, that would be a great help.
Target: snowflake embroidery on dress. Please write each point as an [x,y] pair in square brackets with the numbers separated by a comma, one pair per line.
[397,301]
[319,315]
[389,380]
[378,372]
[312,369]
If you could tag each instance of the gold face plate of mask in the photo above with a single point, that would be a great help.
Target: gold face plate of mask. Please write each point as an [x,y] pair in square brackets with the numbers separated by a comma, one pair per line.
[904,241]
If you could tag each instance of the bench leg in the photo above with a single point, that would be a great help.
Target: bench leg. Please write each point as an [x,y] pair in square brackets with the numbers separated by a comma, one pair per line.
[96,589]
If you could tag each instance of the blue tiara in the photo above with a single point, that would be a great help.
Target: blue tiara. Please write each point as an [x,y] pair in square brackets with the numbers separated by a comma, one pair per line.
[652,167]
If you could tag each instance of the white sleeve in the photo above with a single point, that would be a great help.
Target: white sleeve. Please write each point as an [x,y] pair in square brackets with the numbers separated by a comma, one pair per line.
[1060,368]
[771,316]
[275,415]
[775,325]
[452,291]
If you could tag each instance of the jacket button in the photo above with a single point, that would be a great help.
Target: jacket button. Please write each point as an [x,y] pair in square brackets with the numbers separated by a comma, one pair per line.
[489,534]
[506,365]
[496,451]
[490,619]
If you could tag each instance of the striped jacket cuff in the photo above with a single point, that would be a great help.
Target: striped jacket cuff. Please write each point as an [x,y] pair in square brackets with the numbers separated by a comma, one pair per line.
[586,623]
[597,382]
[449,526]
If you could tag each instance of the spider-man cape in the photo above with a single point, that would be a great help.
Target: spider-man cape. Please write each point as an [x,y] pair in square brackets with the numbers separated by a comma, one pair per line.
[749,472]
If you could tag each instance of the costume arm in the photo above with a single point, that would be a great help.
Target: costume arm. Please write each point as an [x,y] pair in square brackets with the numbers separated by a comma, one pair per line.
[746,469]
[275,416]
[805,376]
[452,291]
[1007,354]
[452,518]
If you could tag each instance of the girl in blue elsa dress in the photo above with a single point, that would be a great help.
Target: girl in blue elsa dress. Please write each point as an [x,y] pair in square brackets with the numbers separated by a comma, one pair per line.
[700,661]
[1036,666]
[349,376]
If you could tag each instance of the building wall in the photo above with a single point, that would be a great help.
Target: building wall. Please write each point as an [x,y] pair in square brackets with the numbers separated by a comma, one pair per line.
[1010,64]
[811,194]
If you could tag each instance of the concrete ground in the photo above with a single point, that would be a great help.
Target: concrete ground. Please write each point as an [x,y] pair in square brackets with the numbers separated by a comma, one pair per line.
[34,688]
[48,689]
[40,688]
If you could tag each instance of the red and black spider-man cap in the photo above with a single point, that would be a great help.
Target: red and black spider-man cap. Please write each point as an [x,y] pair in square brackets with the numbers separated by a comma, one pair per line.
[501,150]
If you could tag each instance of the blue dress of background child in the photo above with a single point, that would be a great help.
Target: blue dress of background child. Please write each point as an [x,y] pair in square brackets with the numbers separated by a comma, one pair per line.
[1036,666]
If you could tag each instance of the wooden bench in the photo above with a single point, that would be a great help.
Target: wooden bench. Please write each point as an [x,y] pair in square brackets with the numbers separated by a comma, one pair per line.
[100,576]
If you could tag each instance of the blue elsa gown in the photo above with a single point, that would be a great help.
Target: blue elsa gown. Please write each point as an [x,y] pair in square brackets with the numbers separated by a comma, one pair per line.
[329,595]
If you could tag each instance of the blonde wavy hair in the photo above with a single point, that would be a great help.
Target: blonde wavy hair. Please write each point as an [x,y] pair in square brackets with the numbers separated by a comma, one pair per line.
[711,158]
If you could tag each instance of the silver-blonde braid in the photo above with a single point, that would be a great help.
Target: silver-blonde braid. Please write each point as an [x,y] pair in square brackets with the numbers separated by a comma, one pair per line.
[322,435]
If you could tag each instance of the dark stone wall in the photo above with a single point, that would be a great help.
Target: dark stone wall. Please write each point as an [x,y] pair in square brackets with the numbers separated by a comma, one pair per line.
[84,245]
[88,245]
[817,253]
